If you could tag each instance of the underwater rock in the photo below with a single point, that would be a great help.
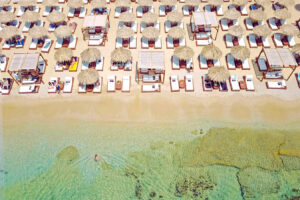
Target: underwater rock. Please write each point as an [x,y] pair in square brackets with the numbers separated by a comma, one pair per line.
[68,154]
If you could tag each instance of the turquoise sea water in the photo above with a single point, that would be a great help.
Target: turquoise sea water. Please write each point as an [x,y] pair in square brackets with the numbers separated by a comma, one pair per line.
[139,161]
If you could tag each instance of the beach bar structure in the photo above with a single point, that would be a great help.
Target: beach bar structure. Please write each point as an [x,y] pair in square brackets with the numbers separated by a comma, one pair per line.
[27,68]
[95,27]
[202,23]
[151,66]
[276,60]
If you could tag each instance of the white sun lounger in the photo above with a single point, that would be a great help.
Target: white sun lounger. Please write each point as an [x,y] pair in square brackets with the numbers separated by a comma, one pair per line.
[203,42]
[265,41]
[99,64]
[189,64]
[30,88]
[272,24]
[277,40]
[47,45]
[230,62]
[84,66]
[52,89]
[119,42]
[20,11]
[248,23]
[244,10]
[82,12]
[170,43]
[132,42]
[281,84]
[262,64]
[126,84]
[241,41]
[228,41]
[174,83]
[224,24]
[68,84]
[203,62]
[71,12]
[157,44]
[175,63]
[3,63]
[245,64]
[249,83]
[252,41]
[58,43]
[151,88]
[234,83]
[182,42]
[145,43]
[82,88]
[33,44]
[73,41]
[189,85]
[220,10]
[111,84]
[291,41]
[97,42]
[98,86]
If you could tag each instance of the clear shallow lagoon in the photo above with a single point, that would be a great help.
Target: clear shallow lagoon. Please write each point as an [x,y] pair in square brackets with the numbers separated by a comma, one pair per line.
[147,161]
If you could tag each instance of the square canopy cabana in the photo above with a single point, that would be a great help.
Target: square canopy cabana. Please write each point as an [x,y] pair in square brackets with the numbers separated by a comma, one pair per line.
[151,62]
[95,22]
[277,59]
[25,62]
[202,20]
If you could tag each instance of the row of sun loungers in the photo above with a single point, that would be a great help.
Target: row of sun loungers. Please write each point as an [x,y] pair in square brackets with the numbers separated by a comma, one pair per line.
[170,42]
[236,85]
[139,11]
[219,10]
[162,10]
[168,26]
[82,13]
[132,42]
[19,44]
[71,44]
[277,39]
[233,64]
[118,11]
[203,62]
[143,26]
[21,10]
[98,67]
[229,41]
[272,23]
[176,65]
[224,24]
[254,43]
[157,43]
[45,48]
[133,27]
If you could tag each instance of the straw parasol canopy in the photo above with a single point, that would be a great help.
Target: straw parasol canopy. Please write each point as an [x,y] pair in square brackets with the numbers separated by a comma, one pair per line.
[30,16]
[127,17]
[215,2]
[192,2]
[239,2]
[123,3]
[282,14]
[176,32]
[295,49]
[63,32]
[6,17]
[262,30]
[175,16]
[38,32]
[211,52]
[236,31]
[75,3]
[98,3]
[289,29]
[168,2]
[145,2]
[120,55]
[88,77]
[8,32]
[56,17]
[257,15]
[218,74]
[286,2]
[184,52]
[149,18]
[232,14]
[240,52]
[263,2]
[90,55]
[125,32]
[150,33]
[50,2]
[4,2]
[63,54]
[27,3]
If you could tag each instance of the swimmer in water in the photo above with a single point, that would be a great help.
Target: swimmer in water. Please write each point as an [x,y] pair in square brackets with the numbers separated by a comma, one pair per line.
[96,157]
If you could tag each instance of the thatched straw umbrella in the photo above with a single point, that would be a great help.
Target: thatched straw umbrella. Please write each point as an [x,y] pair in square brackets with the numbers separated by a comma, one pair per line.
[98,3]
[218,74]
[262,30]
[192,3]
[149,18]
[120,55]
[263,2]
[75,4]
[211,52]
[296,49]
[9,32]
[150,33]
[50,3]
[175,17]
[88,77]
[127,17]
[4,3]
[215,2]
[6,17]
[123,3]
[168,2]
[286,3]
[56,17]
[236,31]
[184,52]
[232,14]
[239,2]
[145,3]
[282,14]
[257,15]
[289,29]
[27,3]
[125,32]
[90,55]
[38,32]
[63,55]
[30,16]
[63,32]
[240,52]
[176,32]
